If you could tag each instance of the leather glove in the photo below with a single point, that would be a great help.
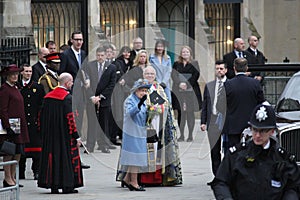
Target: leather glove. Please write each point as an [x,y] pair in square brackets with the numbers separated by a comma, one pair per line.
[10,131]
[142,101]
[163,85]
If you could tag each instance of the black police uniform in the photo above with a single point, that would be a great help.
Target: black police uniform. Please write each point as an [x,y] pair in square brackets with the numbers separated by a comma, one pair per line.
[33,94]
[251,172]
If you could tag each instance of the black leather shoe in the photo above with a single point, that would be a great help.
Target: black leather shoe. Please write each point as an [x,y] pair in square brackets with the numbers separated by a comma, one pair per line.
[139,188]
[54,191]
[20,185]
[36,176]
[70,191]
[189,140]
[123,183]
[180,139]
[85,166]
[5,184]
[112,147]
[105,150]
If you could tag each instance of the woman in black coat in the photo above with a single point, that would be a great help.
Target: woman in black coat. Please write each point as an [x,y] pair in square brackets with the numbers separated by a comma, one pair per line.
[186,94]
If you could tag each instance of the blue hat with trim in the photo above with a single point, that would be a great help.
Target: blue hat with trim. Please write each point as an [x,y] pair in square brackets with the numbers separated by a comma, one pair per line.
[141,83]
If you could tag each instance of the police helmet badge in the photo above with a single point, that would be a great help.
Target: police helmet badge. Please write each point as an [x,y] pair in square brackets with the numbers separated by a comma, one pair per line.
[261,114]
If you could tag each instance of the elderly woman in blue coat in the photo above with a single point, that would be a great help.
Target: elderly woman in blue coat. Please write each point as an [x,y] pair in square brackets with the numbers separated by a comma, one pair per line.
[134,142]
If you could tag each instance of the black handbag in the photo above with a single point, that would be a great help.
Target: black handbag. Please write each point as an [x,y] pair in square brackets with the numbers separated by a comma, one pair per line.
[8,148]
[151,136]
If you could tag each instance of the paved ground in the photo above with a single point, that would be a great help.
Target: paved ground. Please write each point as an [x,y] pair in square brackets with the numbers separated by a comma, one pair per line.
[100,178]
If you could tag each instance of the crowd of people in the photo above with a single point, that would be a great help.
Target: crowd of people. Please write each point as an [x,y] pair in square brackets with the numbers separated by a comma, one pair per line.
[133,99]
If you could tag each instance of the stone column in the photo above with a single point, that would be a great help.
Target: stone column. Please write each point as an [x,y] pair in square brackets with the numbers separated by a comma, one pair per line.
[204,46]
[94,28]
[17,18]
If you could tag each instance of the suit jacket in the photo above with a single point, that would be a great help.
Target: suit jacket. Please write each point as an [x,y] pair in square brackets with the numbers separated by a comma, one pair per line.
[69,62]
[37,71]
[106,84]
[243,94]
[229,58]
[91,69]
[256,59]
[207,104]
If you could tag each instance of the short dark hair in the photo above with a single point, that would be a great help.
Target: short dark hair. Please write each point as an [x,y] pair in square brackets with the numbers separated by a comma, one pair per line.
[240,64]
[76,32]
[64,47]
[50,42]
[220,62]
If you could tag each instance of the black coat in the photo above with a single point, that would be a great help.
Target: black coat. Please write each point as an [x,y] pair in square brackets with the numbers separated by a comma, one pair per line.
[69,62]
[192,97]
[254,173]
[229,58]
[37,71]
[256,59]
[33,94]
[60,164]
[243,94]
[106,84]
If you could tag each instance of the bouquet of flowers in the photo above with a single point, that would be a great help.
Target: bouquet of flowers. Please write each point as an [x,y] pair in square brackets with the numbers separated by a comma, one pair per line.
[152,111]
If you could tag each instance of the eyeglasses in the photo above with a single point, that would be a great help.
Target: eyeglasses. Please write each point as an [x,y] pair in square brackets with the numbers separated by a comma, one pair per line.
[78,39]
[261,131]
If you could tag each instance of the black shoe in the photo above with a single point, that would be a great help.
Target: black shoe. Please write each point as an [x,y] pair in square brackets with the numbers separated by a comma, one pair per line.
[189,140]
[116,142]
[105,150]
[54,191]
[139,188]
[5,184]
[181,139]
[20,185]
[85,166]
[36,176]
[210,183]
[112,147]
[123,183]
[70,191]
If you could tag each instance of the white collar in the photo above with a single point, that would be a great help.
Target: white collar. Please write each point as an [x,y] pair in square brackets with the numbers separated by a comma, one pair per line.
[267,146]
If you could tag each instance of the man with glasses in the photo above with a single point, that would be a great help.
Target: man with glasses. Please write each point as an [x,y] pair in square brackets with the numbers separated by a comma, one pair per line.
[71,62]
[258,169]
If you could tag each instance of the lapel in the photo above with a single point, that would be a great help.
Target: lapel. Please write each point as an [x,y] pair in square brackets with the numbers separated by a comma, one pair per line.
[71,52]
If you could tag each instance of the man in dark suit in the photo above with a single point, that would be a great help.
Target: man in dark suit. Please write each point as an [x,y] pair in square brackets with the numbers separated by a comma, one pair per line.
[71,61]
[39,68]
[238,52]
[102,99]
[209,114]
[258,57]
[242,94]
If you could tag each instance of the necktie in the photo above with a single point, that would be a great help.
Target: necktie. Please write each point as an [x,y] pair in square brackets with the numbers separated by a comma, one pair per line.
[79,60]
[100,71]
[240,55]
[220,85]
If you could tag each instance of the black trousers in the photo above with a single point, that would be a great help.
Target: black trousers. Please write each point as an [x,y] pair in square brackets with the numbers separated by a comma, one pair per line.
[186,117]
[103,135]
[34,166]
[93,128]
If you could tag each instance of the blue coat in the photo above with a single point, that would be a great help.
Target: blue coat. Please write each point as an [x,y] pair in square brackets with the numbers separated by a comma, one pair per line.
[134,143]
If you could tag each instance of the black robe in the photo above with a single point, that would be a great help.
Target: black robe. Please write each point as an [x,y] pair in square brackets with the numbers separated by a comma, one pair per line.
[60,161]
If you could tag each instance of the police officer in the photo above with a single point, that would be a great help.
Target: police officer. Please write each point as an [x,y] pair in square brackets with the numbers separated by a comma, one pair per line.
[33,94]
[260,169]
